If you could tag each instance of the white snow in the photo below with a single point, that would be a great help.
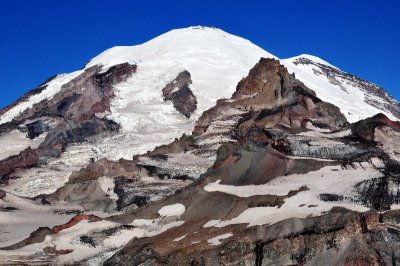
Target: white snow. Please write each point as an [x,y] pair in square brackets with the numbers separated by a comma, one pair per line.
[172,210]
[321,135]
[29,216]
[48,178]
[349,98]
[174,90]
[15,142]
[325,180]
[215,241]
[69,239]
[216,60]
[107,185]
[330,179]
[395,207]
[53,87]
[180,238]
[211,223]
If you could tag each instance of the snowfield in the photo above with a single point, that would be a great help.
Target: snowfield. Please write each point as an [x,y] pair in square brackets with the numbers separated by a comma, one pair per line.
[330,179]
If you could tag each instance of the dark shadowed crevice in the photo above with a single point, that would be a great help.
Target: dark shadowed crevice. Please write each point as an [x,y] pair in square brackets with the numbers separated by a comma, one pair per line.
[259,252]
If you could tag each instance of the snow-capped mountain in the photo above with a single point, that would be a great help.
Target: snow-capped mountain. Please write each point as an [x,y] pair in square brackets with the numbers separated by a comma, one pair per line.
[216,61]
[109,153]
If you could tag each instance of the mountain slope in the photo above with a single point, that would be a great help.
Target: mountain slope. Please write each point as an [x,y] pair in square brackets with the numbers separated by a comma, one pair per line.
[292,173]
[262,159]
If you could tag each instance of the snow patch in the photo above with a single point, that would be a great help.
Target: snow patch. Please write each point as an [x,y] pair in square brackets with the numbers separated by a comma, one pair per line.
[211,223]
[104,244]
[330,179]
[215,241]
[107,184]
[172,210]
[179,238]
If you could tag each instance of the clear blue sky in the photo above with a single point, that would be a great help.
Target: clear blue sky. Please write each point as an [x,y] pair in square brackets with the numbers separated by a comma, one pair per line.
[43,38]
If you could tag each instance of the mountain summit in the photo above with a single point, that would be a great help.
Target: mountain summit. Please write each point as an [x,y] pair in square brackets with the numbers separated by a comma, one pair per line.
[198,147]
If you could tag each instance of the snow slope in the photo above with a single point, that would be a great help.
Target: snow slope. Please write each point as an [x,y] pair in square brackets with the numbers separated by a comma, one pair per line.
[52,88]
[341,90]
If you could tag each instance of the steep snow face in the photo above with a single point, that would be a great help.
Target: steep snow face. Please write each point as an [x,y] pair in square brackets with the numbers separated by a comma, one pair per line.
[356,98]
[216,60]
[52,88]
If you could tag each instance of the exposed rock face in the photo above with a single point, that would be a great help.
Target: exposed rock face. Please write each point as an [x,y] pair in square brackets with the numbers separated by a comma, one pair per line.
[69,117]
[74,221]
[24,159]
[82,97]
[365,129]
[179,93]
[275,97]
[35,129]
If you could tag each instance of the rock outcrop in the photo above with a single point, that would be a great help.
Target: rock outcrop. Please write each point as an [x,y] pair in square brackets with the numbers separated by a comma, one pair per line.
[178,91]
[68,117]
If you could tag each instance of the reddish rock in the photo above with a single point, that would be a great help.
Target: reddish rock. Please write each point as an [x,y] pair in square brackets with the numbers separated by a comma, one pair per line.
[180,94]
[365,128]
[25,159]
[75,220]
